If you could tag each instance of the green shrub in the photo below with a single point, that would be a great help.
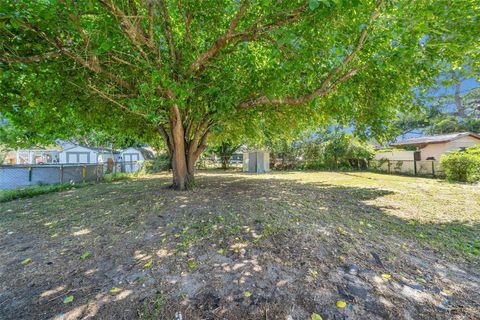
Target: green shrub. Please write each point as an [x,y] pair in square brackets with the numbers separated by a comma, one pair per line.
[109,177]
[29,192]
[160,163]
[463,166]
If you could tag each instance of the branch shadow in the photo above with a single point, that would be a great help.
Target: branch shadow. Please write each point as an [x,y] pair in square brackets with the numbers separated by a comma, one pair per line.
[290,243]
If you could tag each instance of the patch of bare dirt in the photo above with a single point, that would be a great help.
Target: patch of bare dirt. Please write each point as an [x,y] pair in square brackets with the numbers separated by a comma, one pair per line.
[234,248]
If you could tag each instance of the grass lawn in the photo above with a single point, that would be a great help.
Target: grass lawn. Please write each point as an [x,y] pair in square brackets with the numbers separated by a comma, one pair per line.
[272,246]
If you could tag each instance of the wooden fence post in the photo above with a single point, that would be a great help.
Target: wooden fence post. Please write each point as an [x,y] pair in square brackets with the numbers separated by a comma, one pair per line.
[61,173]
[30,173]
[388,162]
[433,168]
[84,172]
[415,167]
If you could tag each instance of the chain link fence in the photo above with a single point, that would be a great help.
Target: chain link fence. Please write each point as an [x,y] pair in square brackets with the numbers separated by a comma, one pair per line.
[20,176]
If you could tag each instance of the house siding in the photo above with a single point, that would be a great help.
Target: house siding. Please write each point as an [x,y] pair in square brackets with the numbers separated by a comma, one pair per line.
[436,150]
[90,155]
[463,142]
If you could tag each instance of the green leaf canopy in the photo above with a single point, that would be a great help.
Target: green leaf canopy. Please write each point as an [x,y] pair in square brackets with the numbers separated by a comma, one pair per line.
[127,66]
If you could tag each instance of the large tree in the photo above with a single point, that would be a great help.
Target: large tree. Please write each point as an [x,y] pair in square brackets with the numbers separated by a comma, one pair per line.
[176,69]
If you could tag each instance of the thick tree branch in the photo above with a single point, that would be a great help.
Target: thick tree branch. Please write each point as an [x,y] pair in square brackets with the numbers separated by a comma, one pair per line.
[131,30]
[167,26]
[150,23]
[94,67]
[220,42]
[324,87]
[203,142]
[166,136]
[107,97]
[193,144]
[249,34]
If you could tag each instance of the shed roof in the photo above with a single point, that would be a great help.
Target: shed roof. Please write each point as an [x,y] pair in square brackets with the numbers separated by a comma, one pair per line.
[94,149]
[436,139]
[147,152]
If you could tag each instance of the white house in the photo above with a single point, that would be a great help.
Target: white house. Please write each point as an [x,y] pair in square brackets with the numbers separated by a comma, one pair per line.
[86,155]
[397,155]
[433,147]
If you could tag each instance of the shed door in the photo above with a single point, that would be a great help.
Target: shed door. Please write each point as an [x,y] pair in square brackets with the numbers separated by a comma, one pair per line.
[131,162]
[252,162]
[83,157]
[71,157]
[78,157]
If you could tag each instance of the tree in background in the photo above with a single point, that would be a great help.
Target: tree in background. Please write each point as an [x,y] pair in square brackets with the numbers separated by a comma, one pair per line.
[322,148]
[178,69]
[447,113]
[225,150]
[342,149]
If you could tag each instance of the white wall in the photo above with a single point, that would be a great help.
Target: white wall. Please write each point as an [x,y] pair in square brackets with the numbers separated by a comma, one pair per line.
[102,157]
[436,150]
[92,155]
[463,142]
[395,155]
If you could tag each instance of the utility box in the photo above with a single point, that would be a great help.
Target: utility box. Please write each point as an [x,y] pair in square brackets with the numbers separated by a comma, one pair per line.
[256,161]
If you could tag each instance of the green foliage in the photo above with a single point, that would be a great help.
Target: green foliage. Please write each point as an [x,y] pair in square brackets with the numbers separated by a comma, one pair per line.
[439,113]
[448,124]
[159,164]
[344,150]
[72,67]
[225,150]
[3,153]
[330,150]
[117,176]
[462,166]
[8,195]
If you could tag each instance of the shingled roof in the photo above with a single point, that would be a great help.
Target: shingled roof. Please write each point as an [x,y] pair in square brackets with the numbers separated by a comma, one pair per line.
[436,139]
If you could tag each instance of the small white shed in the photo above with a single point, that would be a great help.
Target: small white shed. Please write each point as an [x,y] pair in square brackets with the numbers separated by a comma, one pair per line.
[85,155]
[78,154]
[131,158]
[256,161]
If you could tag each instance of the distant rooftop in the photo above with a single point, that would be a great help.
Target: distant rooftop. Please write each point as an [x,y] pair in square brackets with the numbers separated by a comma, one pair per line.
[436,139]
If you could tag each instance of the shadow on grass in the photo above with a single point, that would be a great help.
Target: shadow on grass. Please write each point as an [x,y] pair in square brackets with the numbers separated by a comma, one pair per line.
[126,225]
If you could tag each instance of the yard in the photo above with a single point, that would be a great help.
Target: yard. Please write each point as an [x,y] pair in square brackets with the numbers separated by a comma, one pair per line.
[354,245]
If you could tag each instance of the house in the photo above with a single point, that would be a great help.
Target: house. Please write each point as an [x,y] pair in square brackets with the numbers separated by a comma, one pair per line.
[433,147]
[86,155]
[71,153]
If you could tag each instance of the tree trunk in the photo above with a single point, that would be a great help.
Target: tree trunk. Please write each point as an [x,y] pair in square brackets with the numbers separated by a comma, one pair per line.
[224,163]
[184,150]
[458,100]
[182,179]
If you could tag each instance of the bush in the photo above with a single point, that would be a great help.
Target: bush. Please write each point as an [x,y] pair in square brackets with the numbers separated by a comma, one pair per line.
[29,192]
[463,166]
[109,177]
[160,163]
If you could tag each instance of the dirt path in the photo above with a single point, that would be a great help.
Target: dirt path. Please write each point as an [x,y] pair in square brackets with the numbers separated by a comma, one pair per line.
[249,247]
